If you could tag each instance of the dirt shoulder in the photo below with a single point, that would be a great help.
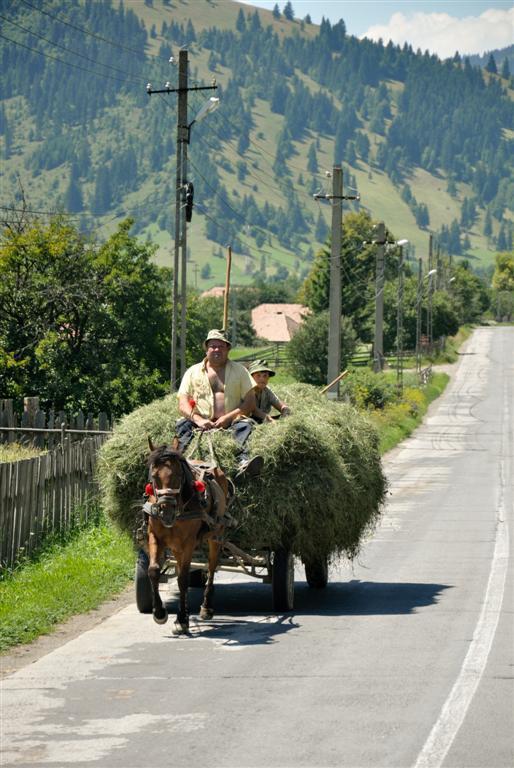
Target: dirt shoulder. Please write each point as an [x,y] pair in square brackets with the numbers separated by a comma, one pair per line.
[23,655]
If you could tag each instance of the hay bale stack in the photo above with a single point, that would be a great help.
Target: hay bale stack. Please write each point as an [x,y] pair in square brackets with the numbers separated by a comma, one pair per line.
[322,486]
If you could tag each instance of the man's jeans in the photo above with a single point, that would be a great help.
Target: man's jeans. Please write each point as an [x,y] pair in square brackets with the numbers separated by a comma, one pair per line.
[241,431]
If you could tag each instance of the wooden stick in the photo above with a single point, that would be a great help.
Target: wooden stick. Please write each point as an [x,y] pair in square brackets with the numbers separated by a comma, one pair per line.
[337,378]
[227,289]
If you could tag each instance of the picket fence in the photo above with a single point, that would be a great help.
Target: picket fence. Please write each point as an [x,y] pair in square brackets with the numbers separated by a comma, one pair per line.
[44,495]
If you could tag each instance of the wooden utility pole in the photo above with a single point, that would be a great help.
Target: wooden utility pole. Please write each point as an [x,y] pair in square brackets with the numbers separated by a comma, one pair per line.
[227,290]
[182,142]
[180,264]
[378,346]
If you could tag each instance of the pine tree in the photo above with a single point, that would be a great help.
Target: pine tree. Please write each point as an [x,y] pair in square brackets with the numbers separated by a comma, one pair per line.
[501,243]
[505,69]
[241,23]
[488,224]
[276,11]
[312,160]
[491,65]
[288,11]
[73,197]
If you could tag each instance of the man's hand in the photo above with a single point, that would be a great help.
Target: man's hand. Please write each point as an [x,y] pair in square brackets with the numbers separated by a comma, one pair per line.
[223,422]
[204,423]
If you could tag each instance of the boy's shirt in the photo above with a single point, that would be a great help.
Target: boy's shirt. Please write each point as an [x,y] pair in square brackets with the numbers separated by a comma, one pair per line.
[266,399]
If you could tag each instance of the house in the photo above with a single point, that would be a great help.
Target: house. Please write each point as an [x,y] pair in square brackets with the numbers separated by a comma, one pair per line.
[278,322]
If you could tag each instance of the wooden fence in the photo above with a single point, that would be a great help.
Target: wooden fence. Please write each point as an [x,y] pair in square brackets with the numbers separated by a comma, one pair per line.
[47,429]
[44,494]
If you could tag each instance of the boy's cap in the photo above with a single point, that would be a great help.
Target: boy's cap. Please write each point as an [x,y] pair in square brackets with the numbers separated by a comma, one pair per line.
[260,366]
[217,335]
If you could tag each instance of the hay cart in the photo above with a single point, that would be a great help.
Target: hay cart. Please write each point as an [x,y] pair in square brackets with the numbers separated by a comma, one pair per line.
[274,567]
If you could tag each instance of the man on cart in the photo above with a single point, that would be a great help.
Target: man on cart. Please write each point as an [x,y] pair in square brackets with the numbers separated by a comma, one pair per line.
[218,394]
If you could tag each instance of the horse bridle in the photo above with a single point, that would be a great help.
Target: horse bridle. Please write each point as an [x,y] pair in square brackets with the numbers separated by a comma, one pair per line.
[167,504]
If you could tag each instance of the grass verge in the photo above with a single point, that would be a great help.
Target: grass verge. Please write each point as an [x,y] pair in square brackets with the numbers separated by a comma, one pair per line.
[94,564]
[397,421]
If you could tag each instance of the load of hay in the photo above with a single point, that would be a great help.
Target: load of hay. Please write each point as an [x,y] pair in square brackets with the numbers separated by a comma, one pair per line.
[320,492]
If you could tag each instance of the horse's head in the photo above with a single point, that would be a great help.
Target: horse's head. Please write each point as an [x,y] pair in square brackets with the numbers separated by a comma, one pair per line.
[170,479]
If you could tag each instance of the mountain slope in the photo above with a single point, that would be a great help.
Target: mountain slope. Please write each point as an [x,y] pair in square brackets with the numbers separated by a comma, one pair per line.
[83,136]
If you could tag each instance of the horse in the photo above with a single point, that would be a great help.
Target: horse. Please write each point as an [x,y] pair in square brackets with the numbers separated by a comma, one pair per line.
[181,512]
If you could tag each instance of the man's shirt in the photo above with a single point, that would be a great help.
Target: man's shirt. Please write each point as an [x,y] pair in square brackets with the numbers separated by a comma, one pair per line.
[195,384]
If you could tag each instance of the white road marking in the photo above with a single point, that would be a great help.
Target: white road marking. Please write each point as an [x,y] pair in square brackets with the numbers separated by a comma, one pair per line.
[457,704]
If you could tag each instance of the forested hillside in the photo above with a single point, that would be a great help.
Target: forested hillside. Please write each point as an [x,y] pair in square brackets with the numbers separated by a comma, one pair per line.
[428,144]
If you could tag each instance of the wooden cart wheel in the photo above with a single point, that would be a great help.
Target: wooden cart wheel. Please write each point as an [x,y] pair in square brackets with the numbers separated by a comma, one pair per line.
[316,573]
[142,583]
[282,581]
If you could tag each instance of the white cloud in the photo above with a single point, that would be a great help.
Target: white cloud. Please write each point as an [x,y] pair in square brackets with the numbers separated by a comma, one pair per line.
[443,34]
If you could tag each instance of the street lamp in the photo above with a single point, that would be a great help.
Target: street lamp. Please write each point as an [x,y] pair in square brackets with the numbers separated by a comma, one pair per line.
[210,106]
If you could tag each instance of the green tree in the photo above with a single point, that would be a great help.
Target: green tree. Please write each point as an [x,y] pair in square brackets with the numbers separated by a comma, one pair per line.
[83,325]
[308,349]
[288,11]
[491,65]
[357,269]
[503,277]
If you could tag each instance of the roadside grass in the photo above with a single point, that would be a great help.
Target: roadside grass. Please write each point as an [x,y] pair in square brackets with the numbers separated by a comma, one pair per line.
[93,564]
[397,421]
[16,452]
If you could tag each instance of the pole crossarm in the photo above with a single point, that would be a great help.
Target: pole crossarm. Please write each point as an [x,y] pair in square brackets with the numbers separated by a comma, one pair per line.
[151,90]
[337,197]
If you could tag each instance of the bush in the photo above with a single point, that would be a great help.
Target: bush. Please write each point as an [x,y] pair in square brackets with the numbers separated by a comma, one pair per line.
[308,349]
[365,389]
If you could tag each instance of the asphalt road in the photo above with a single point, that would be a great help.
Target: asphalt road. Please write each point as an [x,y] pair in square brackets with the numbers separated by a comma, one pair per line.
[405,659]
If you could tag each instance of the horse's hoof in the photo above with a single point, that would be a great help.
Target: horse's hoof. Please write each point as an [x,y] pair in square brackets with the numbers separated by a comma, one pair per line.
[180,629]
[162,617]
[206,613]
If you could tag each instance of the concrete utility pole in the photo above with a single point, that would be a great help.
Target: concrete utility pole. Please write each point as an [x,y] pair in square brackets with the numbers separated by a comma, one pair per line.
[399,327]
[429,307]
[418,315]
[378,346]
[334,308]
[334,327]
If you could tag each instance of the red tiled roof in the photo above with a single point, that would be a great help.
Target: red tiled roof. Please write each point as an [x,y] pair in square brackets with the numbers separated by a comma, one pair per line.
[277,322]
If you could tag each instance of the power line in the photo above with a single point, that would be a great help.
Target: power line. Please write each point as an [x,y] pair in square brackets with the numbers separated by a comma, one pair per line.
[85,31]
[62,47]
[240,216]
[66,63]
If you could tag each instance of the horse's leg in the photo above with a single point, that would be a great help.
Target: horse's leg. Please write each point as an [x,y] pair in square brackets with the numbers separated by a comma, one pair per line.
[160,613]
[206,611]
[184,561]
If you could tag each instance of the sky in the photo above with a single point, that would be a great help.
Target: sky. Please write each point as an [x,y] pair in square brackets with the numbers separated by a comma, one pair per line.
[441,26]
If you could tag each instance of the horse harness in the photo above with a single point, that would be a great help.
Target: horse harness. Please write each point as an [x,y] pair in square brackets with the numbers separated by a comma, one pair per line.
[206,496]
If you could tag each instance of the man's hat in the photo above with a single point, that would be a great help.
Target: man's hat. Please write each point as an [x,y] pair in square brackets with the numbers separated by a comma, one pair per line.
[216,335]
[260,366]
